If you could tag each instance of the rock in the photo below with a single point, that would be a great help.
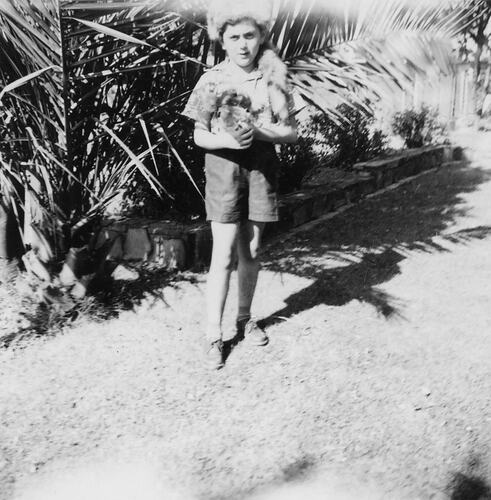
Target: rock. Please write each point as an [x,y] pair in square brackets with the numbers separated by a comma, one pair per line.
[77,263]
[105,235]
[123,273]
[116,252]
[67,276]
[79,290]
[447,153]
[137,245]
[457,153]
[170,253]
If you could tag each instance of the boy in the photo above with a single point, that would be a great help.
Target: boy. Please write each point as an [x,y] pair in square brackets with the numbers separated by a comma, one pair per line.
[241,107]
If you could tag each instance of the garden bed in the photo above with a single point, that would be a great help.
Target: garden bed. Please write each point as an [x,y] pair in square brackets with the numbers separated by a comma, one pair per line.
[182,246]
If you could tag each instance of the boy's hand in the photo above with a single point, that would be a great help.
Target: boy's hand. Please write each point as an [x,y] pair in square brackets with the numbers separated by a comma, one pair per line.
[240,138]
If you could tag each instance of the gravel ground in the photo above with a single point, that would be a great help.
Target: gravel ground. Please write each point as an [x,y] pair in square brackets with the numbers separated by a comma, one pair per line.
[376,383]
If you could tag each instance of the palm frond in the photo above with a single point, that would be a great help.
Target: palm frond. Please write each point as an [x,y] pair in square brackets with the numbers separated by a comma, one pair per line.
[366,45]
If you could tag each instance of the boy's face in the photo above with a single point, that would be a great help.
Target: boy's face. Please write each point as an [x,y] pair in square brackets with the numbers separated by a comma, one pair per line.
[241,42]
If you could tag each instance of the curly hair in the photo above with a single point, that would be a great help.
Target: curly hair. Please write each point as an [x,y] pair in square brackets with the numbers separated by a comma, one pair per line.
[223,12]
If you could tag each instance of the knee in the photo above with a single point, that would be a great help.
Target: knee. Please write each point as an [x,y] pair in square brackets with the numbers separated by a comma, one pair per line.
[254,253]
[248,249]
[251,255]
[223,260]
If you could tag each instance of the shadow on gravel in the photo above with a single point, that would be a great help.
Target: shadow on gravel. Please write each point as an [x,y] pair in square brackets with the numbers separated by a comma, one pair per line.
[469,484]
[111,297]
[106,300]
[350,254]
[340,285]
[298,469]
[466,487]
[294,476]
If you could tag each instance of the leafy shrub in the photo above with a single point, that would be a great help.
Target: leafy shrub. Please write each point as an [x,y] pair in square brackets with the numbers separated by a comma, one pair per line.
[33,306]
[418,128]
[182,199]
[24,309]
[295,160]
[322,141]
[355,140]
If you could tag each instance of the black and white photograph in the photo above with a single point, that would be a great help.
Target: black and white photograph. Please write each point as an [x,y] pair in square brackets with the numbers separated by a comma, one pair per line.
[245,250]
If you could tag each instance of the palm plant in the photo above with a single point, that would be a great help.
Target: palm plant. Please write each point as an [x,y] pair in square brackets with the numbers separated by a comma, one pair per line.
[31,129]
[44,179]
[93,90]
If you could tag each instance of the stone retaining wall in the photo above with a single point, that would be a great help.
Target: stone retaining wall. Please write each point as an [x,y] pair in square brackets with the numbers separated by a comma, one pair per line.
[179,246]
[166,243]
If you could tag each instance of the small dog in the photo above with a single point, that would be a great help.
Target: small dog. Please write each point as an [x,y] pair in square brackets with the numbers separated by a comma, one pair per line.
[233,110]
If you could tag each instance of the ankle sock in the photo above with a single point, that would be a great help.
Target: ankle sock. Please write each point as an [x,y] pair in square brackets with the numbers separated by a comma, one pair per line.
[243,318]
[213,334]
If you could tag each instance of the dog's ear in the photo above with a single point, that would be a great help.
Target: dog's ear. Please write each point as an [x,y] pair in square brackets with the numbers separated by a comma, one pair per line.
[224,97]
[243,101]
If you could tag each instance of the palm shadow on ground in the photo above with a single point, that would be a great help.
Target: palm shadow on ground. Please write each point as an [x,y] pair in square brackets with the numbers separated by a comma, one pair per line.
[111,297]
[363,245]
[470,483]
[469,487]
[351,254]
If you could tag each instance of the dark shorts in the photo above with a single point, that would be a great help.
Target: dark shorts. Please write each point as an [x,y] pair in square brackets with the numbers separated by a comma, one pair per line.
[242,185]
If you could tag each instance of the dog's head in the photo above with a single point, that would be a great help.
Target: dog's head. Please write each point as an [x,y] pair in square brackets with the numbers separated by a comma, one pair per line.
[233,109]
[232,97]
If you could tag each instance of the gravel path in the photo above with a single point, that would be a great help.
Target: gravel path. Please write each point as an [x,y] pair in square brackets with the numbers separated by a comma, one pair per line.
[376,383]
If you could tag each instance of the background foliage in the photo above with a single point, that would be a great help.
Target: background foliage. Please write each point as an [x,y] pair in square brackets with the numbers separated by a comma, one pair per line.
[330,143]
[419,127]
[92,93]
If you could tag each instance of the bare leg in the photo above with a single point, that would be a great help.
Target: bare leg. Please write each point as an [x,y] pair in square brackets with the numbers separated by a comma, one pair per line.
[224,242]
[249,240]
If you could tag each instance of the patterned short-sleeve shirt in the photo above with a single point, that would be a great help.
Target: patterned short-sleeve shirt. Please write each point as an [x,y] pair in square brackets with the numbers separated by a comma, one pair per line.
[223,99]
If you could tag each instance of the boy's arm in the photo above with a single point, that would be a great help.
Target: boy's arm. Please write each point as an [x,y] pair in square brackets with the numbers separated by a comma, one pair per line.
[205,139]
[278,133]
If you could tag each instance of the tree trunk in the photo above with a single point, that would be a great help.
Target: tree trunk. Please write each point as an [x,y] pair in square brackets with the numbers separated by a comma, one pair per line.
[481,40]
[478,99]
[3,233]
[10,241]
